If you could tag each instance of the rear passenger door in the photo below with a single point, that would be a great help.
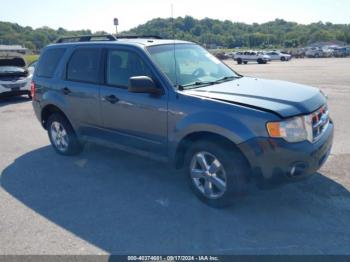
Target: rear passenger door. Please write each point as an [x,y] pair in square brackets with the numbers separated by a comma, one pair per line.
[134,120]
[81,87]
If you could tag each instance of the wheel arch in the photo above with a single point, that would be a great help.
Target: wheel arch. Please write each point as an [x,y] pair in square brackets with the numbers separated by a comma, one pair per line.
[47,111]
[189,139]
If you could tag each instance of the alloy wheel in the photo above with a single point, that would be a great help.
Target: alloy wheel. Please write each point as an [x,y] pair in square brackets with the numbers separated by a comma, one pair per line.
[208,175]
[59,136]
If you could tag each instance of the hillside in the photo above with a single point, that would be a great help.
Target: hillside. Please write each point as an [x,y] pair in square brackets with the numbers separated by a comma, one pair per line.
[206,31]
[33,39]
[229,34]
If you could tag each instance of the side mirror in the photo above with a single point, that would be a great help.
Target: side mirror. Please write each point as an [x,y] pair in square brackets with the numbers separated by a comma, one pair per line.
[142,84]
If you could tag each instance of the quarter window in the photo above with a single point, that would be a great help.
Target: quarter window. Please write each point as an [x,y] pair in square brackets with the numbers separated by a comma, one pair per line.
[49,62]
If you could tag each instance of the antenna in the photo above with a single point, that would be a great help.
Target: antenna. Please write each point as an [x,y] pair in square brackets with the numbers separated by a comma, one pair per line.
[173,27]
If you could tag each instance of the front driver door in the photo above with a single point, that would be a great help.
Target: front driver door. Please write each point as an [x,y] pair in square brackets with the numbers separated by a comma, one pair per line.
[137,121]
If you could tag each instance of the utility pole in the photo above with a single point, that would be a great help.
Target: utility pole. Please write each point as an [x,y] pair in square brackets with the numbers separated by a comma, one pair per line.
[116,23]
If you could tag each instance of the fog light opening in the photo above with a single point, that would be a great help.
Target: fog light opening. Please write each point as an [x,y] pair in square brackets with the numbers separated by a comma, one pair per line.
[297,169]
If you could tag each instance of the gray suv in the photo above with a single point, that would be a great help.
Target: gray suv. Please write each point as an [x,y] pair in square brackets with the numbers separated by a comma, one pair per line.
[173,101]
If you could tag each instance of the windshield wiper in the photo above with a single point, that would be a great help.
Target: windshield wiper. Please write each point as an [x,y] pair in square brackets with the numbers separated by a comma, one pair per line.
[202,83]
[225,79]
[195,85]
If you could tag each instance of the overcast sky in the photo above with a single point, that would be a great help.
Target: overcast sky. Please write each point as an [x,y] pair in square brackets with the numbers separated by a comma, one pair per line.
[98,14]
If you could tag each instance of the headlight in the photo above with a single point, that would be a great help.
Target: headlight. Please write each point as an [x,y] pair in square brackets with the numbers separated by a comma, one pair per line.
[292,130]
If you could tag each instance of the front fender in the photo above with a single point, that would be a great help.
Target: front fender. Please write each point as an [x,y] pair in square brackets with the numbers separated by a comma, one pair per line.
[211,122]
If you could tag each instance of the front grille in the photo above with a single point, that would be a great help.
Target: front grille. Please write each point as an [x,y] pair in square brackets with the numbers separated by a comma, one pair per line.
[320,121]
[15,85]
[12,78]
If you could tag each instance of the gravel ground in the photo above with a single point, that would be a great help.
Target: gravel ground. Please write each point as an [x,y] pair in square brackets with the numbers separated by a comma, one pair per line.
[105,201]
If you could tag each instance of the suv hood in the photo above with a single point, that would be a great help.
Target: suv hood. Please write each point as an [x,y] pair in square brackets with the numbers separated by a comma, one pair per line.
[283,98]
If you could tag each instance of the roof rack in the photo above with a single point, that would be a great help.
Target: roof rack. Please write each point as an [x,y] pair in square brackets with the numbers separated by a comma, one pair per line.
[139,36]
[86,38]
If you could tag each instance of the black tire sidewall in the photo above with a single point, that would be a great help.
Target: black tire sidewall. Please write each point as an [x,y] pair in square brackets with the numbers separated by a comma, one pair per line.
[235,167]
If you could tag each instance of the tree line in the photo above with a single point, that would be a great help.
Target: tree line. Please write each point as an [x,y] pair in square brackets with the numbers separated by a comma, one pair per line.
[279,32]
[209,32]
[34,39]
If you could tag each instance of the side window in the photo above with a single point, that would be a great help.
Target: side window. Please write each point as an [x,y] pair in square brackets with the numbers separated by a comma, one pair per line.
[121,65]
[83,66]
[49,61]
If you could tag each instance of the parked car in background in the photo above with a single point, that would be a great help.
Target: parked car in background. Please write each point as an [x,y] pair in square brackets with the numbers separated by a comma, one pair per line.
[299,53]
[316,52]
[15,78]
[341,52]
[327,52]
[221,55]
[251,56]
[276,55]
[230,55]
[313,52]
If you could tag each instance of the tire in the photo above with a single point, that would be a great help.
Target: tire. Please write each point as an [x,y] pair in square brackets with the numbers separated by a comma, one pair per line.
[239,61]
[62,136]
[231,173]
[245,62]
[283,59]
[260,61]
[30,95]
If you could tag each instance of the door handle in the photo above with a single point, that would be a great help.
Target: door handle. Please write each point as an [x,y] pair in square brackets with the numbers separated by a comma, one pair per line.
[66,91]
[112,99]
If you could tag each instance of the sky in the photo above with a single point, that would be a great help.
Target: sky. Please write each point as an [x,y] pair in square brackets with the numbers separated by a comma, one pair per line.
[98,15]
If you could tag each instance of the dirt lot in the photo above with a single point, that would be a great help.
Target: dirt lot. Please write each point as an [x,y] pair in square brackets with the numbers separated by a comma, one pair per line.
[105,201]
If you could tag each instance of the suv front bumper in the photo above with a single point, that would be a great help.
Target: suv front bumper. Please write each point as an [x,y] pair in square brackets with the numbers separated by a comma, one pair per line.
[277,161]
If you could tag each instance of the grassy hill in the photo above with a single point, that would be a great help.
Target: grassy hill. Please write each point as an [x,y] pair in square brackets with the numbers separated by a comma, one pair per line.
[229,34]
[207,31]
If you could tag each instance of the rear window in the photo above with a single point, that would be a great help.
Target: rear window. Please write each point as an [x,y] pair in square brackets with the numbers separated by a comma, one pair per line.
[84,66]
[49,61]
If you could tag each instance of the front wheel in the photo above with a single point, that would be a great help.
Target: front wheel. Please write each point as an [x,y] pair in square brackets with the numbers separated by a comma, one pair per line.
[217,174]
[62,136]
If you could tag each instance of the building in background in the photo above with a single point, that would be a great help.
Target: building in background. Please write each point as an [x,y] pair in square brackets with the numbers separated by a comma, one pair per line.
[13,48]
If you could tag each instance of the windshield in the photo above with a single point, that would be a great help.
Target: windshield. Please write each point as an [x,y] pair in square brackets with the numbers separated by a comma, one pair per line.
[194,65]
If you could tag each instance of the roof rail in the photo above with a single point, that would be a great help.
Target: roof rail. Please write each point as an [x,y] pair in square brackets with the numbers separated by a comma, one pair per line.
[86,38]
[139,36]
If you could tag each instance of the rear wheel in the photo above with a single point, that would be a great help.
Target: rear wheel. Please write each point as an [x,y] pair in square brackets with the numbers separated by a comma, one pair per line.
[62,136]
[245,62]
[217,174]
[239,61]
